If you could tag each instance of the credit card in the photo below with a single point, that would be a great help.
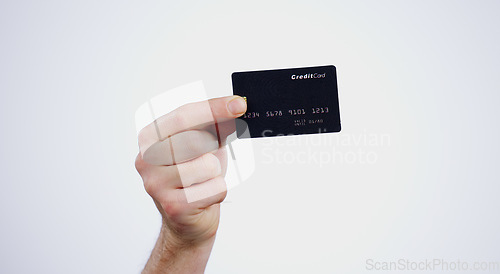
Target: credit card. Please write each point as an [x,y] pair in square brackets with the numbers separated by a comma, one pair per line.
[288,101]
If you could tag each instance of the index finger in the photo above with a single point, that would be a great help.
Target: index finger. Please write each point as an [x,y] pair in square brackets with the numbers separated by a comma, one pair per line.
[191,116]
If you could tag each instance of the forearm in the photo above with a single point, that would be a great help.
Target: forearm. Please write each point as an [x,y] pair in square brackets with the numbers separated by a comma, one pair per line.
[171,256]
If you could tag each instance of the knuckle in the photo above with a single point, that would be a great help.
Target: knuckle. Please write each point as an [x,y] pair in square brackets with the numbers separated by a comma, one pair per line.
[151,187]
[140,165]
[153,184]
[172,208]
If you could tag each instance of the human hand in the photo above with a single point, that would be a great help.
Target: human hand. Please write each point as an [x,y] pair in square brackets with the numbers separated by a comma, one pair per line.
[183,163]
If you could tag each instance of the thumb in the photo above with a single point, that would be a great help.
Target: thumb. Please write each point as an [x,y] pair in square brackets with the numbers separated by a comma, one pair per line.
[229,107]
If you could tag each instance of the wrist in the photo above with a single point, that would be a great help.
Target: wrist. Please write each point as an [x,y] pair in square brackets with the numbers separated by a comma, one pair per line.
[173,254]
[174,241]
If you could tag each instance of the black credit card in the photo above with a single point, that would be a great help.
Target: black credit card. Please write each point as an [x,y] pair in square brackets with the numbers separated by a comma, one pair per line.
[288,101]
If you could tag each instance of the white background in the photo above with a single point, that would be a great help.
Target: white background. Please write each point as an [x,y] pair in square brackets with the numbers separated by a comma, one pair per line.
[423,73]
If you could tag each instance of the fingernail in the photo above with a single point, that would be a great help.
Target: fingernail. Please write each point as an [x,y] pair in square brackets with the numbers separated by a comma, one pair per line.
[237,105]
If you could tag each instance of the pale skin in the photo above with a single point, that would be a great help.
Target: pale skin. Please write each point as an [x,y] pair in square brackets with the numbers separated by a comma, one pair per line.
[188,228]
